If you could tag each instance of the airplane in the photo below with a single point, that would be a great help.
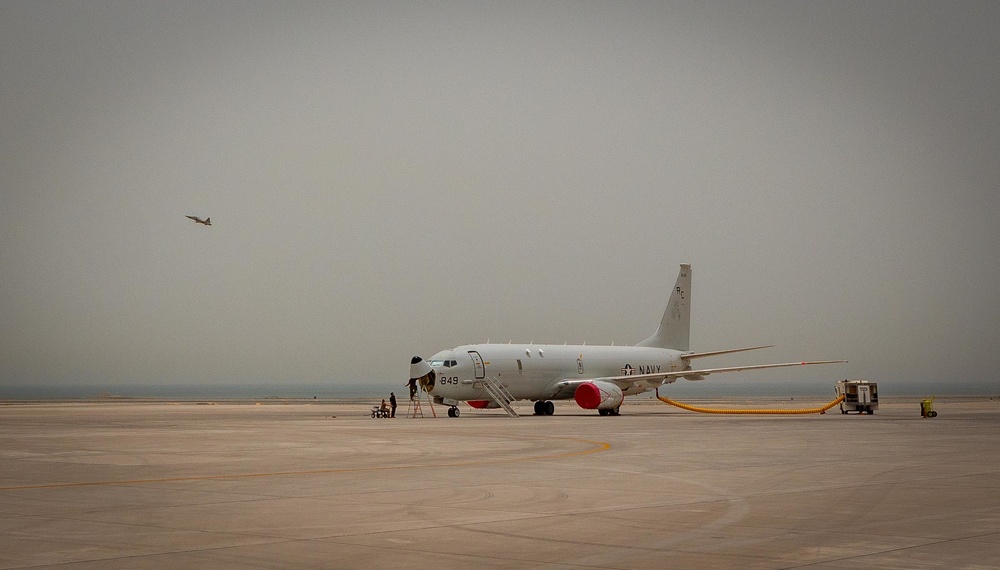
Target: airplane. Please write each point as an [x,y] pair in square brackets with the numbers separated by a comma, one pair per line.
[197,220]
[597,377]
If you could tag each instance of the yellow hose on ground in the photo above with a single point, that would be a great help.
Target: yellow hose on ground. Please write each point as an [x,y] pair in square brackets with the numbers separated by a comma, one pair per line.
[720,411]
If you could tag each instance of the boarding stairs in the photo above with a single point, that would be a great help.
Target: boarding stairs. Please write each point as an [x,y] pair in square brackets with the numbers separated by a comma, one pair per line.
[500,395]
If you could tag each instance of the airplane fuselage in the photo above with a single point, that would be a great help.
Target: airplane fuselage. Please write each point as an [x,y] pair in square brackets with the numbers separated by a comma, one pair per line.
[597,377]
[533,371]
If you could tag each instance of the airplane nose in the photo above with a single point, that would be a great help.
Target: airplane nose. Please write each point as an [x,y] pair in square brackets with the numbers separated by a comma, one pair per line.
[419,367]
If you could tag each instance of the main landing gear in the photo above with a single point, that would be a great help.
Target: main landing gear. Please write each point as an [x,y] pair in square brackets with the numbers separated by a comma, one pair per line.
[453,412]
[614,412]
[544,408]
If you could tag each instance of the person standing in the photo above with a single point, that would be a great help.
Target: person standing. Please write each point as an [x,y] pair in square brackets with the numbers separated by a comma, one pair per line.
[392,404]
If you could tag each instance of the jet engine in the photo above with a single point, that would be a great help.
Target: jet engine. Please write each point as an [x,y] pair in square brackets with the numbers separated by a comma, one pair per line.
[598,395]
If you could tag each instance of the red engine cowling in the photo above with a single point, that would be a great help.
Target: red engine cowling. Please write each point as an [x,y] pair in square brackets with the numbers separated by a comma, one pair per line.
[598,395]
[483,404]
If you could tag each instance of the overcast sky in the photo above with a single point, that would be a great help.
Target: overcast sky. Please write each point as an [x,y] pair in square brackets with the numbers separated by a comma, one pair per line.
[394,179]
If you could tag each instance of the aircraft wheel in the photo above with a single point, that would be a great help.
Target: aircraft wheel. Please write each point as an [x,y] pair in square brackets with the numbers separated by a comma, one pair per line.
[538,408]
[549,408]
[602,412]
[617,411]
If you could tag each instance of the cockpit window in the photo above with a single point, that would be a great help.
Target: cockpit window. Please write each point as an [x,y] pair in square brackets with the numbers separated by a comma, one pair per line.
[437,363]
[444,363]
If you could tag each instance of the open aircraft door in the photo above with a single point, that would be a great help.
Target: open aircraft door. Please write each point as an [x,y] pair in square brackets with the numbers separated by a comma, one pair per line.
[478,362]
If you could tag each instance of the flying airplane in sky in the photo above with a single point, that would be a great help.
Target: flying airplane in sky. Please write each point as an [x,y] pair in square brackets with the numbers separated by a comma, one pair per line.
[597,377]
[197,220]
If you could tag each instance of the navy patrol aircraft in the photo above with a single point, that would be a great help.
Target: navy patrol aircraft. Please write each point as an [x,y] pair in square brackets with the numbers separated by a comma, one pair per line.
[597,377]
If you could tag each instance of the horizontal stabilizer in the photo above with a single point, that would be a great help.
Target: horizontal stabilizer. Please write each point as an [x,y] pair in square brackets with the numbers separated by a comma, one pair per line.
[718,352]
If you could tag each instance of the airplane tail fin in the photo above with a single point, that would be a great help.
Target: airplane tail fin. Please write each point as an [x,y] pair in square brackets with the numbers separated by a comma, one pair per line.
[675,327]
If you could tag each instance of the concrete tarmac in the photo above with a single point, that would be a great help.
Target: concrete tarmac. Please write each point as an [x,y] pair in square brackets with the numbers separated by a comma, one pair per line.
[324,485]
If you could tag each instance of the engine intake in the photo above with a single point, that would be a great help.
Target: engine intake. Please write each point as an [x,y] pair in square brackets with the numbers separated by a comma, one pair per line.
[598,395]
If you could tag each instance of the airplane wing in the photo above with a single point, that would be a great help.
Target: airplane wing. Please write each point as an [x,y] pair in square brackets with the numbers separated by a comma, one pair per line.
[626,382]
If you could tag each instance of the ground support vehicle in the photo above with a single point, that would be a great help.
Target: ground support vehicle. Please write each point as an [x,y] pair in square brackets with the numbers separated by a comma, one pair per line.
[859,396]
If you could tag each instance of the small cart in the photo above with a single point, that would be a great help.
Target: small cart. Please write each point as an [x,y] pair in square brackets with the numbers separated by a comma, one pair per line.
[927,408]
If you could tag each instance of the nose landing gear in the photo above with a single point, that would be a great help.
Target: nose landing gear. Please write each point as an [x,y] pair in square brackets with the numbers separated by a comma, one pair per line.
[453,412]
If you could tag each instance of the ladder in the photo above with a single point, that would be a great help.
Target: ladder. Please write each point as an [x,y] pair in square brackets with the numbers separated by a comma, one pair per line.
[500,395]
[414,410]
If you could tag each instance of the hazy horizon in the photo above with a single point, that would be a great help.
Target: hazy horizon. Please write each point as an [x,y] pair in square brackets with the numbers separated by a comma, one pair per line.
[388,180]
[375,391]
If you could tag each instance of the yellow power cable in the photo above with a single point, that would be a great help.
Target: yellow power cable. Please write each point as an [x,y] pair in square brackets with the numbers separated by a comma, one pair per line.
[719,411]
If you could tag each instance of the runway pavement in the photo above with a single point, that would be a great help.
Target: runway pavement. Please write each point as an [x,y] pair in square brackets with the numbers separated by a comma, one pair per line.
[323,485]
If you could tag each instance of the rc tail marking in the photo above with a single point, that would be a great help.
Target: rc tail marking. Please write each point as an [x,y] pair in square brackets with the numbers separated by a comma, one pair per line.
[674,331]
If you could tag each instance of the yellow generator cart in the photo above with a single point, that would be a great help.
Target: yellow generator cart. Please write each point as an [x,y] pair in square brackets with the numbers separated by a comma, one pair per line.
[859,396]
[927,408]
